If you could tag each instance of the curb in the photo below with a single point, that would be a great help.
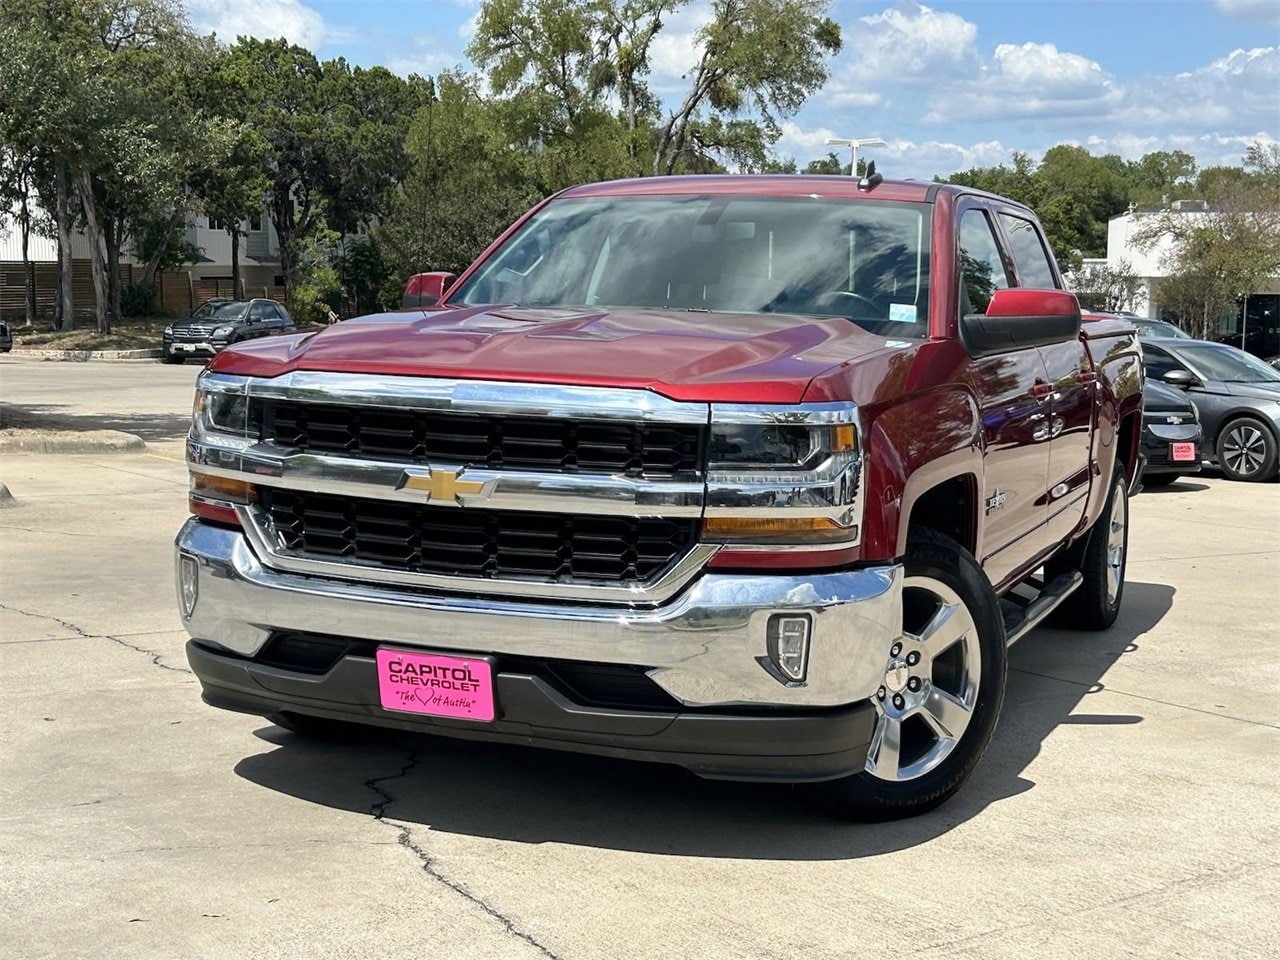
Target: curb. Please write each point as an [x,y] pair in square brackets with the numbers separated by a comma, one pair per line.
[18,440]
[82,355]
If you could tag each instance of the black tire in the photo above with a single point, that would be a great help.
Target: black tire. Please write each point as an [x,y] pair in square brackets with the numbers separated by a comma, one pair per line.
[935,559]
[1246,450]
[168,357]
[1157,480]
[1096,602]
[318,728]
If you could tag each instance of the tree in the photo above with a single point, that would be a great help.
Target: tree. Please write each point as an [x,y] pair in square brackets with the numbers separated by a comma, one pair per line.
[630,28]
[762,56]
[17,176]
[1106,287]
[465,184]
[276,88]
[231,187]
[1222,254]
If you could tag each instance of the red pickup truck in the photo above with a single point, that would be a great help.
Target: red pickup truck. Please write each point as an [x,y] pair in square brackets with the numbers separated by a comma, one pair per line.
[754,475]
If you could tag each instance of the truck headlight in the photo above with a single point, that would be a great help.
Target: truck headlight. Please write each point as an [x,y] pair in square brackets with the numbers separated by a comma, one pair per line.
[221,405]
[784,475]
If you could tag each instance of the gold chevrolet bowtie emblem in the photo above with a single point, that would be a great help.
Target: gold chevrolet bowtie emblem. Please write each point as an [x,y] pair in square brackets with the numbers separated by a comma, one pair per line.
[443,486]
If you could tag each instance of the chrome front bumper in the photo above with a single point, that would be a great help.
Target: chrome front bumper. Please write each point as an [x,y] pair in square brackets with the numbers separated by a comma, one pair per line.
[705,647]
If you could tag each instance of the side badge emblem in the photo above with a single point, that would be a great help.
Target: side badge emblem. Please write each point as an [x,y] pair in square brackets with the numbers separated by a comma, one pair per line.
[996,501]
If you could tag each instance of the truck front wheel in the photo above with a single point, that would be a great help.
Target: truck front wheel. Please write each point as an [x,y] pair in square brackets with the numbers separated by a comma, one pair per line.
[943,687]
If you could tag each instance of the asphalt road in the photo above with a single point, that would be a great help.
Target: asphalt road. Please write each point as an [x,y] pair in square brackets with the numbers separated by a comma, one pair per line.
[1127,806]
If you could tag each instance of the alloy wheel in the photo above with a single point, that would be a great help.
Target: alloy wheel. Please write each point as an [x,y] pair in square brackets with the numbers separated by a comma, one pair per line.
[1116,541]
[930,687]
[1244,449]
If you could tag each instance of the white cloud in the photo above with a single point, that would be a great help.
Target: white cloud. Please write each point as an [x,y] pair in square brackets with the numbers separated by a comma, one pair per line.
[267,19]
[1250,9]
[1238,90]
[901,46]
[1027,80]
[910,41]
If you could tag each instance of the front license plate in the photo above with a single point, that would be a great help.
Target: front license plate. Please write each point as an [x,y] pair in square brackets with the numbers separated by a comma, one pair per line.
[188,347]
[1184,451]
[439,686]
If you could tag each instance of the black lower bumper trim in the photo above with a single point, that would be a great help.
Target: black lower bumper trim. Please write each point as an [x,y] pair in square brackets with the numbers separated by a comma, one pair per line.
[794,747]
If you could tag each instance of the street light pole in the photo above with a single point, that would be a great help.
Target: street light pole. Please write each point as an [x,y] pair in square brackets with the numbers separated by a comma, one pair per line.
[853,144]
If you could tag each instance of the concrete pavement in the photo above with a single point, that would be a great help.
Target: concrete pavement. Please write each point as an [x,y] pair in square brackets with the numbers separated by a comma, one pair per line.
[1126,807]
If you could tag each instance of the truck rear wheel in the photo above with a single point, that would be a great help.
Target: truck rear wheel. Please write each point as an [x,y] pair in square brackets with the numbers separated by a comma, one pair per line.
[1101,557]
[943,687]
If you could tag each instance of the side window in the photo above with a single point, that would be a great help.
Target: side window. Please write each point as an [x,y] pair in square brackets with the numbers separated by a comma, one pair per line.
[981,266]
[258,311]
[1028,253]
[1158,363]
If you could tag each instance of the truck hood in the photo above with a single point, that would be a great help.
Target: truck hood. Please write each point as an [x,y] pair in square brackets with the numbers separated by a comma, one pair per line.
[762,358]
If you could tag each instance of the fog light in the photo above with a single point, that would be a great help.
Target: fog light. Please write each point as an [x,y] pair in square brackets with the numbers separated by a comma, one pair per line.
[789,645]
[188,585]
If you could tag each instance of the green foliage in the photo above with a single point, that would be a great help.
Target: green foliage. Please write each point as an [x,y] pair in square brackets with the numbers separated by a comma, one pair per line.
[466,181]
[1106,287]
[761,58]
[139,300]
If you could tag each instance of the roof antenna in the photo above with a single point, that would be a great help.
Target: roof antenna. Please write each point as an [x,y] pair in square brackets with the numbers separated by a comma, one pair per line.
[870,180]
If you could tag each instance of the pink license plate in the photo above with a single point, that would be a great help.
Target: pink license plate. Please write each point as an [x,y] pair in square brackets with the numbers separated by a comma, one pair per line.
[459,687]
[1184,451]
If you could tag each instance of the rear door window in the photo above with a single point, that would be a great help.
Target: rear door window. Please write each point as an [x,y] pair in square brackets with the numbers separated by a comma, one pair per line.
[1029,254]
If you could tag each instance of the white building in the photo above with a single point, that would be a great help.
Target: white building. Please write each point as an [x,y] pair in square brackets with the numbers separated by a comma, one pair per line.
[1263,305]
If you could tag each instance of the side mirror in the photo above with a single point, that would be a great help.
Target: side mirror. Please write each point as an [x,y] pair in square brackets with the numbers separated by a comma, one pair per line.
[1018,318]
[426,289]
[1180,378]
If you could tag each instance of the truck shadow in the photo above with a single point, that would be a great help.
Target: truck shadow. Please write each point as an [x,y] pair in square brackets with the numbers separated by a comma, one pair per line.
[527,795]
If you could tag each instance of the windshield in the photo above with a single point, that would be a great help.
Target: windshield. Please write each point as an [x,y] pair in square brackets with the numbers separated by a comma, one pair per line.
[1228,364]
[220,310]
[1161,328]
[862,259]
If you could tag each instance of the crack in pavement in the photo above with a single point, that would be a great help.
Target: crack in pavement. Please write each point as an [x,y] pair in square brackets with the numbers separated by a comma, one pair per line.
[405,839]
[84,634]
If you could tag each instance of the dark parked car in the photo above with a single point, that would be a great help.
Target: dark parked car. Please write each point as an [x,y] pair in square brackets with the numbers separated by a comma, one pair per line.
[6,338]
[1171,434]
[1148,328]
[1237,396]
[218,323]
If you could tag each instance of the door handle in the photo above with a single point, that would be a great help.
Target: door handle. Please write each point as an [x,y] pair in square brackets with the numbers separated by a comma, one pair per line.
[1041,389]
[1087,376]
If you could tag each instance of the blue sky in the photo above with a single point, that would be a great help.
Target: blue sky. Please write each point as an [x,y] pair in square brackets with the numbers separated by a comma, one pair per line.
[949,85]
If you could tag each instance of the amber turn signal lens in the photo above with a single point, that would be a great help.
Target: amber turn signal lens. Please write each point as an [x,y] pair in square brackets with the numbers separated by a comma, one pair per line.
[222,488]
[741,528]
[845,438]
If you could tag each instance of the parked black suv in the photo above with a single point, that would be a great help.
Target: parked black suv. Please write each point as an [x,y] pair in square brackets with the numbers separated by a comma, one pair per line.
[218,322]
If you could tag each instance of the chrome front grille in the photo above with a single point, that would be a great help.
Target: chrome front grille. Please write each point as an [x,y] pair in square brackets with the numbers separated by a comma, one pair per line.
[193,331]
[632,448]
[489,488]
[478,544]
